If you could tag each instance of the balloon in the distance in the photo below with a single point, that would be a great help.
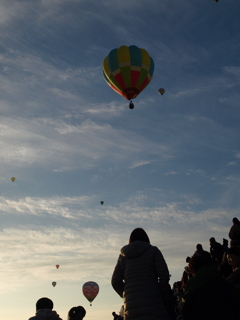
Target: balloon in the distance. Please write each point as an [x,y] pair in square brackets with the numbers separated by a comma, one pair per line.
[54,283]
[161,91]
[128,70]
[13,179]
[57,266]
[90,290]
[102,202]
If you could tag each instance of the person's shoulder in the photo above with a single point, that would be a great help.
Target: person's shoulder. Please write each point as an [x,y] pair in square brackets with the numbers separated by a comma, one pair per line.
[33,318]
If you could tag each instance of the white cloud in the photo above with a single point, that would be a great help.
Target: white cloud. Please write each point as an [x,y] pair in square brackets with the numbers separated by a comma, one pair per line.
[140,163]
[58,144]
[170,173]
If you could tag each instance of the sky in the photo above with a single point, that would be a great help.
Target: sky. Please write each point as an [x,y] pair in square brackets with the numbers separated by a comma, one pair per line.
[170,165]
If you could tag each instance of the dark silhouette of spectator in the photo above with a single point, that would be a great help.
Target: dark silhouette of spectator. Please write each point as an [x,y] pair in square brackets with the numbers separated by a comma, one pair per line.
[141,278]
[199,248]
[216,251]
[234,233]
[233,257]
[44,310]
[76,313]
[207,295]
[188,259]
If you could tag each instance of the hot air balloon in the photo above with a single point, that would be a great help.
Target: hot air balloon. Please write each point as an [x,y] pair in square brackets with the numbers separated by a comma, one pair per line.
[128,70]
[102,202]
[54,283]
[161,91]
[90,290]
[57,266]
[13,179]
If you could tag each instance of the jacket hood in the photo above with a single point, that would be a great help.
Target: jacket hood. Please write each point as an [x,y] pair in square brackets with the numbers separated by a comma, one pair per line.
[134,249]
[46,314]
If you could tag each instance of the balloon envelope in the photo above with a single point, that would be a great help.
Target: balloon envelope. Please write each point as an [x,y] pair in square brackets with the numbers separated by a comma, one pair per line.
[13,179]
[54,283]
[90,290]
[161,91]
[128,70]
[57,266]
[102,202]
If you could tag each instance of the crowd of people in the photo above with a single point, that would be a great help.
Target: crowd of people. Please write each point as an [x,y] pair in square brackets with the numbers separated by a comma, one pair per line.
[44,311]
[209,287]
[208,290]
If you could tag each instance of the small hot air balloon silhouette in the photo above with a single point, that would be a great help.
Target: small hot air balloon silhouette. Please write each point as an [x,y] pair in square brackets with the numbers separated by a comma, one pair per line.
[13,179]
[54,283]
[90,290]
[161,91]
[57,266]
[102,202]
[128,70]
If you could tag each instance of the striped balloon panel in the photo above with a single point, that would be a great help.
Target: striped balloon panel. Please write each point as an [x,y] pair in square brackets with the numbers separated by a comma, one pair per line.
[128,67]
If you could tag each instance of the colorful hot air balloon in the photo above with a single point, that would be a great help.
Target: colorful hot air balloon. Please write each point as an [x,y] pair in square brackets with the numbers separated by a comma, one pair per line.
[90,290]
[57,266]
[13,179]
[102,202]
[161,91]
[54,283]
[128,70]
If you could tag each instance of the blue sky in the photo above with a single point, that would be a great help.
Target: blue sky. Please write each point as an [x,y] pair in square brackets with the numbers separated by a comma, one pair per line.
[170,165]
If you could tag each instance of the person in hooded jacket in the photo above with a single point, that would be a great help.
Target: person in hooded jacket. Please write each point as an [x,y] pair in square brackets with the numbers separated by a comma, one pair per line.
[141,278]
[44,310]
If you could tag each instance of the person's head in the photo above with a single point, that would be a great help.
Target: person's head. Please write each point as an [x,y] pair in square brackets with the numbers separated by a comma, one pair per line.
[233,257]
[76,313]
[225,242]
[188,259]
[199,247]
[235,220]
[212,240]
[199,260]
[138,234]
[44,303]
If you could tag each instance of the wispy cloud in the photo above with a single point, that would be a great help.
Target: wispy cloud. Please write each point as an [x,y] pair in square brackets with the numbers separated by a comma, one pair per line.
[57,142]
[140,163]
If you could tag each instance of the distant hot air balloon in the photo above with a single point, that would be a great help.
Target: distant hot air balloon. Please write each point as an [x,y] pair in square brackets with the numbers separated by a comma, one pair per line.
[102,202]
[161,91]
[13,179]
[128,70]
[57,266]
[90,290]
[215,0]
[54,283]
